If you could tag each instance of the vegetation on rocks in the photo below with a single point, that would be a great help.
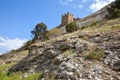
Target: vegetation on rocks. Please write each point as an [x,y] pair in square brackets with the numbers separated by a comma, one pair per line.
[71,27]
[96,54]
[108,26]
[114,10]
[27,44]
[69,52]
[4,75]
[94,24]
[54,33]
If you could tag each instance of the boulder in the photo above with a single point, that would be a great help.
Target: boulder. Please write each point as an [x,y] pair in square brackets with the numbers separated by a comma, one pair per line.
[50,53]
[116,66]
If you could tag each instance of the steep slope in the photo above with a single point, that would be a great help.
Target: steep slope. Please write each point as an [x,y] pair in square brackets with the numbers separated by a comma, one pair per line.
[89,54]
[13,56]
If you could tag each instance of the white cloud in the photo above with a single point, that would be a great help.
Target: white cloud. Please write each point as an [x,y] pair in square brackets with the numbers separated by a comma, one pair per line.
[98,4]
[7,44]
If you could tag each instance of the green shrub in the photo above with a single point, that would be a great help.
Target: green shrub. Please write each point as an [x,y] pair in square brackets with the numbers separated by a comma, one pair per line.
[84,27]
[71,27]
[117,12]
[96,54]
[94,24]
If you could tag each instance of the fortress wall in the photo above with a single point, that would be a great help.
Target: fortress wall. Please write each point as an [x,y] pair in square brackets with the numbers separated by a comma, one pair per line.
[96,17]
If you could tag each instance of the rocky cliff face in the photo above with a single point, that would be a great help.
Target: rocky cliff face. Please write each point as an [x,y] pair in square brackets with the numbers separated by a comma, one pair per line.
[89,54]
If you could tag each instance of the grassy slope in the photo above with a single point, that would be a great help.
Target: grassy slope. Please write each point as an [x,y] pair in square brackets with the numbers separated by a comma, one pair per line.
[15,76]
[108,26]
[8,60]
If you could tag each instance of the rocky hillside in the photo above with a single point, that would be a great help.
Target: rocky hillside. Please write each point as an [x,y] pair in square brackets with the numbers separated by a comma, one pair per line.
[92,53]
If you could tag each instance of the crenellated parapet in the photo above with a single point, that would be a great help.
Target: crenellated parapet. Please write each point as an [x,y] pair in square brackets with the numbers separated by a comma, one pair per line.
[68,14]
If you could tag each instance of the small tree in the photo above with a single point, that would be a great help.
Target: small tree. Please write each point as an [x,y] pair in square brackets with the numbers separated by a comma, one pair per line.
[71,27]
[39,31]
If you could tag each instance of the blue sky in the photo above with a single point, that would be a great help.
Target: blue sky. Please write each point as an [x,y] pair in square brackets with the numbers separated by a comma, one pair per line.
[19,17]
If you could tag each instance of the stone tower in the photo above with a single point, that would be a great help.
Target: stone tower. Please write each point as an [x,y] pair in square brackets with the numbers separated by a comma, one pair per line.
[67,18]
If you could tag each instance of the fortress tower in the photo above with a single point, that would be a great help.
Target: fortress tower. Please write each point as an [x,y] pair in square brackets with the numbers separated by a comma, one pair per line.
[67,18]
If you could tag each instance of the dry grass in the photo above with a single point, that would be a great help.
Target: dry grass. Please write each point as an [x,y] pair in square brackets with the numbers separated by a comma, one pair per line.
[95,54]
[108,26]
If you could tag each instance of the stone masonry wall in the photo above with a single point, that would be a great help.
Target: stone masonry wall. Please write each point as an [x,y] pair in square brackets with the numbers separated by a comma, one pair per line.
[96,17]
